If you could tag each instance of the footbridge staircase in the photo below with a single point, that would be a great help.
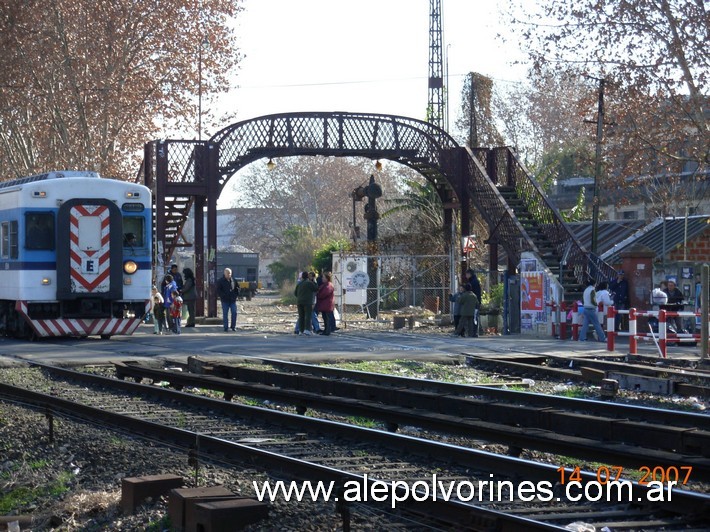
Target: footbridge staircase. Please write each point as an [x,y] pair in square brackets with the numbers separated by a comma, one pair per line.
[521,217]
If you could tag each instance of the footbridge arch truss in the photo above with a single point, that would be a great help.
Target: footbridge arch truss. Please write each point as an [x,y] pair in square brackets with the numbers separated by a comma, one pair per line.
[185,173]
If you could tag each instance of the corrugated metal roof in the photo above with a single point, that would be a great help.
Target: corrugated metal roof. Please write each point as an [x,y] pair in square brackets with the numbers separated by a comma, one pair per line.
[609,233]
[662,237]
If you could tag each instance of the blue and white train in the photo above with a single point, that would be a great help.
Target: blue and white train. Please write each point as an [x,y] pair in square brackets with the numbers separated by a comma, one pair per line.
[75,255]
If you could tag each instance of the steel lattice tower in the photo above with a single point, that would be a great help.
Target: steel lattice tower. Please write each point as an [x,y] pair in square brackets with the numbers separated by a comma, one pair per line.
[436,109]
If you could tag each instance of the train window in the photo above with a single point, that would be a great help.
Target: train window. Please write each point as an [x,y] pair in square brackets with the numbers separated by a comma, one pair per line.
[39,230]
[8,240]
[133,231]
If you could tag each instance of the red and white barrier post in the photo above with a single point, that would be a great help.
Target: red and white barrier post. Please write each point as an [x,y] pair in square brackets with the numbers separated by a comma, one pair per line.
[555,319]
[575,321]
[563,321]
[662,334]
[633,345]
[610,328]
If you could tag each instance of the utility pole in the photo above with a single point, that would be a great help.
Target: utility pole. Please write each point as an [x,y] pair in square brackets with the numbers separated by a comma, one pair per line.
[597,168]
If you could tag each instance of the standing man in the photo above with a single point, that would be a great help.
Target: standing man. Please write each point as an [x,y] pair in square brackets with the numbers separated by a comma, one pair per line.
[590,314]
[469,304]
[305,292]
[177,276]
[228,292]
[619,289]
[472,279]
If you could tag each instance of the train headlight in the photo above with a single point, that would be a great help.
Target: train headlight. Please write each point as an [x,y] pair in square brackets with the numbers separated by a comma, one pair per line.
[46,281]
[130,267]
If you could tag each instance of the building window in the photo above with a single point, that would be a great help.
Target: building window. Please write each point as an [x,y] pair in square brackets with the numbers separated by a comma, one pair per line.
[629,215]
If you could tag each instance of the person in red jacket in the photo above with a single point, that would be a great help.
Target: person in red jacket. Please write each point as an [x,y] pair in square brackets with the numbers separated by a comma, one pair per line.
[326,303]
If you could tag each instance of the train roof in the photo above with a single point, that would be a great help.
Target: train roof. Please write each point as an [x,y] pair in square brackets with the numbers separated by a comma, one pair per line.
[49,175]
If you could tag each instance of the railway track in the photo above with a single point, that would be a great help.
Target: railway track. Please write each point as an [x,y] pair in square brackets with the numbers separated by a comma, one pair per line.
[293,446]
[641,377]
[587,430]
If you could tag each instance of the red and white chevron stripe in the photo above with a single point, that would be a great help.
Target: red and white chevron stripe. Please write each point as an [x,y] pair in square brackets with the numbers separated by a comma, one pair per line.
[80,327]
[95,281]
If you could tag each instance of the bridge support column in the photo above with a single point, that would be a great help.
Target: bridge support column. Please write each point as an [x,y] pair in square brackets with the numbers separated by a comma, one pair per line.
[199,219]
[212,196]
[161,179]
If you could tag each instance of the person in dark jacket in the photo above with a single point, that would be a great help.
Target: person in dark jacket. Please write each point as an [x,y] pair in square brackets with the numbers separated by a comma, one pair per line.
[469,304]
[675,304]
[305,292]
[619,288]
[472,279]
[456,307]
[177,277]
[189,296]
[228,292]
[169,287]
[326,302]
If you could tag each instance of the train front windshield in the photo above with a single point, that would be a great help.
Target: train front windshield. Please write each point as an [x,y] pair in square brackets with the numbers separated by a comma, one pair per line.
[39,231]
[133,232]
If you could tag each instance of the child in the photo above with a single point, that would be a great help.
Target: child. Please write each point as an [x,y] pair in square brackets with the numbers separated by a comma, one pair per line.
[176,311]
[158,311]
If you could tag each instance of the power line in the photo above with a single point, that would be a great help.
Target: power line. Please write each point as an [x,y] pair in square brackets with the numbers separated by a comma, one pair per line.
[364,81]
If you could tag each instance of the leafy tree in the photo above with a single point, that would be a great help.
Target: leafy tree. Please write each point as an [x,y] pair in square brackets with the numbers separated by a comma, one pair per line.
[653,55]
[84,84]
[578,212]
[572,159]
[297,248]
[282,273]
[323,257]
[421,199]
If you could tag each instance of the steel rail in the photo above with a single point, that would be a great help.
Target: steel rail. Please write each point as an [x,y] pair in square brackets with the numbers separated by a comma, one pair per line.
[464,416]
[680,501]
[463,516]
[590,406]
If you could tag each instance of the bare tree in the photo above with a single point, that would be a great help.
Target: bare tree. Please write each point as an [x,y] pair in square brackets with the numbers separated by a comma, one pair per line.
[83,84]
[314,193]
[544,120]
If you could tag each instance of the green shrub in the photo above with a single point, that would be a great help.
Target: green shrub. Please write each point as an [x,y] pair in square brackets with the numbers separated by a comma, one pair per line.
[286,292]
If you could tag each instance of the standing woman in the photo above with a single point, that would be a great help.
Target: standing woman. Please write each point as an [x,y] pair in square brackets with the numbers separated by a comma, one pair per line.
[189,295]
[326,303]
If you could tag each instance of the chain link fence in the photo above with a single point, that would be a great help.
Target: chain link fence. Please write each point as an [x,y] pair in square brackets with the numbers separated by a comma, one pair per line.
[404,281]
